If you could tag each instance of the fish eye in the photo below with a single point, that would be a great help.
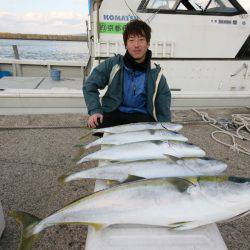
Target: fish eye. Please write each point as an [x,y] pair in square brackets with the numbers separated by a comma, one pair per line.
[207,158]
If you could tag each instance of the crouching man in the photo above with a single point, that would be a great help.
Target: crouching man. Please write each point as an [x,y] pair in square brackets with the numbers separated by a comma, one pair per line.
[137,90]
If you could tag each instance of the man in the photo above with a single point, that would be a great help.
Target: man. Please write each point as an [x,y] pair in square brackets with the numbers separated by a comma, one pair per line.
[137,91]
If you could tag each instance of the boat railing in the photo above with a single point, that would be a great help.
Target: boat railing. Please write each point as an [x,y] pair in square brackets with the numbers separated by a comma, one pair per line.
[16,64]
[160,49]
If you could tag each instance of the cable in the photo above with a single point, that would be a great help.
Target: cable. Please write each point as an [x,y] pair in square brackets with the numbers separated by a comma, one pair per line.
[132,10]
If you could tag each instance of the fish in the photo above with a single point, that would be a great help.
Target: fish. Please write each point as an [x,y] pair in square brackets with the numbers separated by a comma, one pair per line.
[174,203]
[137,136]
[139,126]
[145,151]
[149,169]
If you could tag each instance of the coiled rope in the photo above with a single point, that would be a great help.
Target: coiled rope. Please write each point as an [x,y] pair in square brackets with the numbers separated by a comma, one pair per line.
[243,121]
[238,120]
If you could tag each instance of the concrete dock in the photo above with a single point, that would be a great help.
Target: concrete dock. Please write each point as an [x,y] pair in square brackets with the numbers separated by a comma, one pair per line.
[36,149]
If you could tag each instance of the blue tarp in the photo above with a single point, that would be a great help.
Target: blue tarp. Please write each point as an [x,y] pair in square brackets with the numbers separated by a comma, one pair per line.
[5,73]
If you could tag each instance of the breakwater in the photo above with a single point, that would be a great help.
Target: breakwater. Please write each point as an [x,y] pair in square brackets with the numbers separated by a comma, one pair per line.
[5,35]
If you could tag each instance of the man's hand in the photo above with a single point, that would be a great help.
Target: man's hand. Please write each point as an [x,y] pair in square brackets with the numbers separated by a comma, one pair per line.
[94,120]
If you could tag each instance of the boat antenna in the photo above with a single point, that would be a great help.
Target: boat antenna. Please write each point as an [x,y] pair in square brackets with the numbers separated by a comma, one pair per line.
[132,10]
[150,19]
[199,6]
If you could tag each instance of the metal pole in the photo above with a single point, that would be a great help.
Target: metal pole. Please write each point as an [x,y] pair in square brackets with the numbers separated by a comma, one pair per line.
[16,54]
[18,66]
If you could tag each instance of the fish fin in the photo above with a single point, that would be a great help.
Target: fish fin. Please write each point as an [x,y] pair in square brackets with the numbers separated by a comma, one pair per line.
[172,158]
[90,145]
[179,225]
[85,135]
[182,184]
[131,178]
[238,179]
[62,179]
[79,154]
[78,145]
[112,182]
[82,160]
[97,226]
[29,222]
[237,216]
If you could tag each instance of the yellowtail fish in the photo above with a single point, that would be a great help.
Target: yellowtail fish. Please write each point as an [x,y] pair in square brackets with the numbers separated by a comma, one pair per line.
[148,150]
[125,171]
[139,126]
[138,136]
[175,203]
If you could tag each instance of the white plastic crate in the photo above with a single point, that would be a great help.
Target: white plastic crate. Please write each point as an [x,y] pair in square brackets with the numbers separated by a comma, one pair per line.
[124,237]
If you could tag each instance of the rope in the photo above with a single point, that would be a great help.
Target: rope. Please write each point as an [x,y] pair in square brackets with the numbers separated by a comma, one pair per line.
[205,116]
[238,120]
[243,121]
[235,146]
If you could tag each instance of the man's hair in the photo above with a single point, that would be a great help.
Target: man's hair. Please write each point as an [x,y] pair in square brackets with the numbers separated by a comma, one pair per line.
[137,27]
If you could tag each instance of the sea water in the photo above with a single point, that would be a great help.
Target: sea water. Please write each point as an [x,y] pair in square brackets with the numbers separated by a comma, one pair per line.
[45,50]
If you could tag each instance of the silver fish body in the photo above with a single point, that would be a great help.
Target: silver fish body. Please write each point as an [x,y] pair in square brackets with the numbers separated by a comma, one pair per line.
[139,126]
[137,136]
[150,169]
[148,202]
[175,203]
[145,151]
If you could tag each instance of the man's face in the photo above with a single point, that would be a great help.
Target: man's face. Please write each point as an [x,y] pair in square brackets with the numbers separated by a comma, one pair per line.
[137,46]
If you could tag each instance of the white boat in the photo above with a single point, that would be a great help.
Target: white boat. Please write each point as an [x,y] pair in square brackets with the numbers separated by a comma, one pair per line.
[203,47]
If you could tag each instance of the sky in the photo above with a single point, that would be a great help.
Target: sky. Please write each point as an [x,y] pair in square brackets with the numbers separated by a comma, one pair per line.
[48,16]
[43,16]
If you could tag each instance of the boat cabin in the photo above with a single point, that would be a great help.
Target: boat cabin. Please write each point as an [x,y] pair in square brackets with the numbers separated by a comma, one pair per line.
[202,45]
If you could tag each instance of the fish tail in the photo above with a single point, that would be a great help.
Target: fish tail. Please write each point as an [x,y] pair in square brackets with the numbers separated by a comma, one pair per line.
[85,135]
[28,222]
[62,179]
[79,145]
[84,159]
[79,154]
[89,145]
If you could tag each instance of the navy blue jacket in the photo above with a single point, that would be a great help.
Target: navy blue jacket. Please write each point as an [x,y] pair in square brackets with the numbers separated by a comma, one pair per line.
[110,74]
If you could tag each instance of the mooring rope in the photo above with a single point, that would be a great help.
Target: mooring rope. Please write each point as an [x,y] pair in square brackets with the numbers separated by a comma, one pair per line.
[243,121]
[239,120]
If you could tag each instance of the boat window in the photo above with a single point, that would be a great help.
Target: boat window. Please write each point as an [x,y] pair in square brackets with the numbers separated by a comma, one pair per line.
[161,4]
[244,52]
[220,6]
[206,7]
[181,7]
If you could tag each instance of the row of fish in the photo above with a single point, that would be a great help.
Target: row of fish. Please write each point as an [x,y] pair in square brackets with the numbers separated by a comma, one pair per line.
[157,159]
[178,192]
